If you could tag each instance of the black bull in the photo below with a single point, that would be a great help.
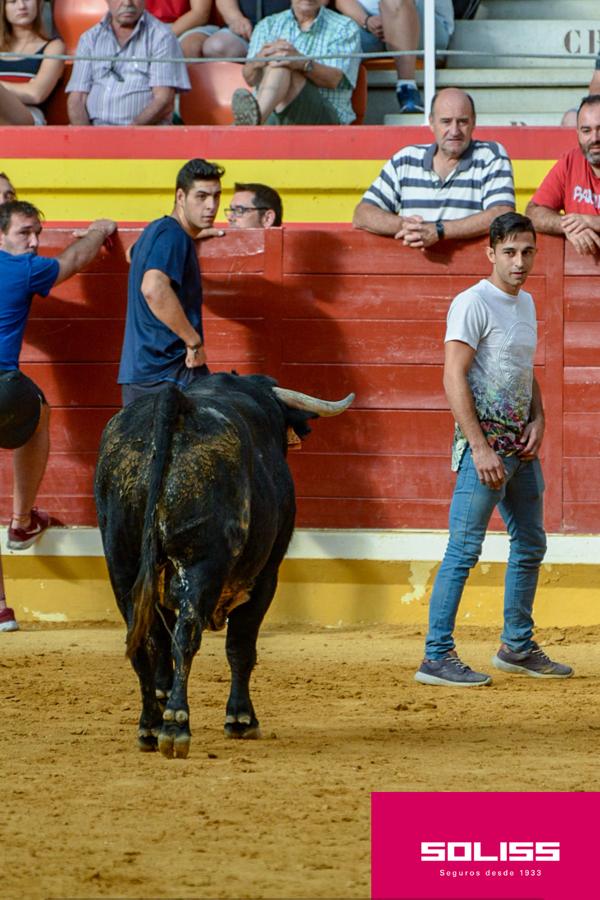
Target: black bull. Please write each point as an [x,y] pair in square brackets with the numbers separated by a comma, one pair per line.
[196,508]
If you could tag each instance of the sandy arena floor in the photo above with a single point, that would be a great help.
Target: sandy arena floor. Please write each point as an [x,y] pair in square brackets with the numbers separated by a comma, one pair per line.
[84,814]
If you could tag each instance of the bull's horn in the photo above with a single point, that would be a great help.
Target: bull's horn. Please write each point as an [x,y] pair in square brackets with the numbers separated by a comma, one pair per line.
[313,404]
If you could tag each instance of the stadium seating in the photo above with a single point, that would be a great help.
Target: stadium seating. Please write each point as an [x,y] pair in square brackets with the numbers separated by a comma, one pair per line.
[213,83]
[55,107]
[73,17]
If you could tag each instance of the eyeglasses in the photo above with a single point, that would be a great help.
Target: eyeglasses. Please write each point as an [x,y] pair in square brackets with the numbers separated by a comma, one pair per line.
[238,211]
[113,71]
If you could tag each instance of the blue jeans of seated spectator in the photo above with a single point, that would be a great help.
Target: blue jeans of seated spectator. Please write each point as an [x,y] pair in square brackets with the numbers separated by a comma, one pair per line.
[520,503]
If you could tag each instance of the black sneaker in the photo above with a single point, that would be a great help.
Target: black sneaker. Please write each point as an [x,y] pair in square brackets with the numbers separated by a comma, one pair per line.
[529,662]
[450,671]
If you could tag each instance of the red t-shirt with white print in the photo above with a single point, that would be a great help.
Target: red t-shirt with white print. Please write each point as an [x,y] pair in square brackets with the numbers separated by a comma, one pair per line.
[571,186]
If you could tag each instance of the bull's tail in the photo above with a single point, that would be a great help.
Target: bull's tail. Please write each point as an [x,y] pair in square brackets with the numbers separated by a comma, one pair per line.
[170,403]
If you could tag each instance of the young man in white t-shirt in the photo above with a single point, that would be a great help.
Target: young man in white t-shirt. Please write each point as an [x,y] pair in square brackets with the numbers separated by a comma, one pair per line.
[497,404]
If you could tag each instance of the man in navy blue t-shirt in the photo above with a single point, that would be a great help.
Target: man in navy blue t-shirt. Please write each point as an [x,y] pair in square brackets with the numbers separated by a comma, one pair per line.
[24,414]
[163,341]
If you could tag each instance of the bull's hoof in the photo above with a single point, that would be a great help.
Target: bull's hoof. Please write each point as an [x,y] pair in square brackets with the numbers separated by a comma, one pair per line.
[242,728]
[147,741]
[172,747]
[165,745]
[174,736]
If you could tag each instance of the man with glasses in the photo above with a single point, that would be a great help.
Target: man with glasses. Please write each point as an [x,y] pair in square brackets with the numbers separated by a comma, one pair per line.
[7,191]
[138,87]
[254,206]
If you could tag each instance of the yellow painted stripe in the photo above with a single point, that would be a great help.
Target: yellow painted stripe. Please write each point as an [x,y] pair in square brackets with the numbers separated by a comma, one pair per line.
[141,190]
[317,591]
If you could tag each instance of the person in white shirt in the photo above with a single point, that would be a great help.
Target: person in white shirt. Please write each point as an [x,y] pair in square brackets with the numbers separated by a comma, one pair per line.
[490,384]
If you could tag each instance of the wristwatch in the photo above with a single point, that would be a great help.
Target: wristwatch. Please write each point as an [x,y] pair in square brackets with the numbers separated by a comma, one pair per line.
[308,66]
[439,227]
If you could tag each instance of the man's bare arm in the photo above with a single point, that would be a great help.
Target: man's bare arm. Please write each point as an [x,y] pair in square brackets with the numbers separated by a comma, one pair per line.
[76,108]
[164,304]
[458,360]
[546,220]
[376,220]
[533,433]
[161,106]
[79,254]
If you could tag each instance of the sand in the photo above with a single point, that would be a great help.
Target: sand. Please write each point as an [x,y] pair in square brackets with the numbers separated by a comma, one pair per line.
[85,814]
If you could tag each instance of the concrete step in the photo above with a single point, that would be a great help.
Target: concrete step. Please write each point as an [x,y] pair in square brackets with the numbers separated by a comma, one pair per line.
[574,78]
[496,93]
[488,40]
[537,9]
[485,119]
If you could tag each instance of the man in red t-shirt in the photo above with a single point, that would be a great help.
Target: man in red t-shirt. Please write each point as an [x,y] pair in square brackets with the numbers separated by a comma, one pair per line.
[568,200]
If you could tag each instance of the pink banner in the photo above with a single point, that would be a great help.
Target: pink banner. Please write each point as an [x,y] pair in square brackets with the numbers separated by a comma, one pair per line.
[488,846]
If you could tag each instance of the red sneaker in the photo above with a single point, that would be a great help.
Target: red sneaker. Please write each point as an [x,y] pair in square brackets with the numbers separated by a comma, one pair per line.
[22,538]
[7,620]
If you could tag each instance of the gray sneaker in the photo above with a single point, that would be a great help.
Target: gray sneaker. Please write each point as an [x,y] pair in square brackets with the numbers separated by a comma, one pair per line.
[530,662]
[451,672]
[246,110]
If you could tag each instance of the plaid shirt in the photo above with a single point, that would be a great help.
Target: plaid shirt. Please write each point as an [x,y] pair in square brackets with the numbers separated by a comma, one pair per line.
[330,33]
[119,91]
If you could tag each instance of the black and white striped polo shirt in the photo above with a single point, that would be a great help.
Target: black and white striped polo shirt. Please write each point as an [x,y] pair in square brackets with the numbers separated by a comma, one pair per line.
[409,186]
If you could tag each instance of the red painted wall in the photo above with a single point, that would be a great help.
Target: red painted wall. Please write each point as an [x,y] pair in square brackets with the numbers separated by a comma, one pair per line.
[330,311]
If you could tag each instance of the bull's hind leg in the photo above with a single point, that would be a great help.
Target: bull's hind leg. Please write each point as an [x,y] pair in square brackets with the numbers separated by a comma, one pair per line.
[194,591]
[242,633]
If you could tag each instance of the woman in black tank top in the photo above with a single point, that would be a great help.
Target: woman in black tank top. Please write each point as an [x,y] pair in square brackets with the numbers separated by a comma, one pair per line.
[25,83]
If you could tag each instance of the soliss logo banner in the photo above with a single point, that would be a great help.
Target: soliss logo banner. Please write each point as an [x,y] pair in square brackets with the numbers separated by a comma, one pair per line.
[492,846]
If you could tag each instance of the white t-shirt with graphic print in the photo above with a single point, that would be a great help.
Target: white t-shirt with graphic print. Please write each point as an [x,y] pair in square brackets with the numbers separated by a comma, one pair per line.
[502,329]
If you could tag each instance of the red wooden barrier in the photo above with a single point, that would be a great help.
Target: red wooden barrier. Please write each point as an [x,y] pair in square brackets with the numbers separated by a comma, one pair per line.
[330,311]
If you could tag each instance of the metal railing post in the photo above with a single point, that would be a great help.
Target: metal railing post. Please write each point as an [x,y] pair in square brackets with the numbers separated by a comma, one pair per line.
[428,55]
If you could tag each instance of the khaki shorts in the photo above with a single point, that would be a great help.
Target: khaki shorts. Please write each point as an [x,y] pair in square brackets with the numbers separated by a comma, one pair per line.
[310,107]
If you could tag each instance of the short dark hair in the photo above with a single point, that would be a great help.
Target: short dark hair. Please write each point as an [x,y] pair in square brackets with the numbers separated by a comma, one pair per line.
[468,96]
[263,196]
[17,207]
[509,223]
[590,100]
[197,170]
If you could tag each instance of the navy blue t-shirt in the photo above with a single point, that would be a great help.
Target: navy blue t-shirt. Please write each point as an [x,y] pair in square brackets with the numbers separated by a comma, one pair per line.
[21,277]
[151,351]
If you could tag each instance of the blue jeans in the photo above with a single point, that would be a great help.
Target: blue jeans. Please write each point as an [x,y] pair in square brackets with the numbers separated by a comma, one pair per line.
[520,502]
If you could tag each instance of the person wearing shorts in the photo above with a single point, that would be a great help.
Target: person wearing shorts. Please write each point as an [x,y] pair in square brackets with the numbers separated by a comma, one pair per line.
[398,25]
[24,413]
[314,89]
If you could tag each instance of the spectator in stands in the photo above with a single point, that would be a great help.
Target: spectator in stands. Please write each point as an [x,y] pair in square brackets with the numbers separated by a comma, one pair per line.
[7,191]
[451,189]
[22,32]
[398,25]
[305,91]
[24,413]
[568,200]
[163,341]
[569,119]
[254,206]
[188,20]
[240,17]
[123,92]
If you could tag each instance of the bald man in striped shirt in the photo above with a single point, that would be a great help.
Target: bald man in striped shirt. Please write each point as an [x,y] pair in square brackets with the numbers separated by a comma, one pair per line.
[452,189]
